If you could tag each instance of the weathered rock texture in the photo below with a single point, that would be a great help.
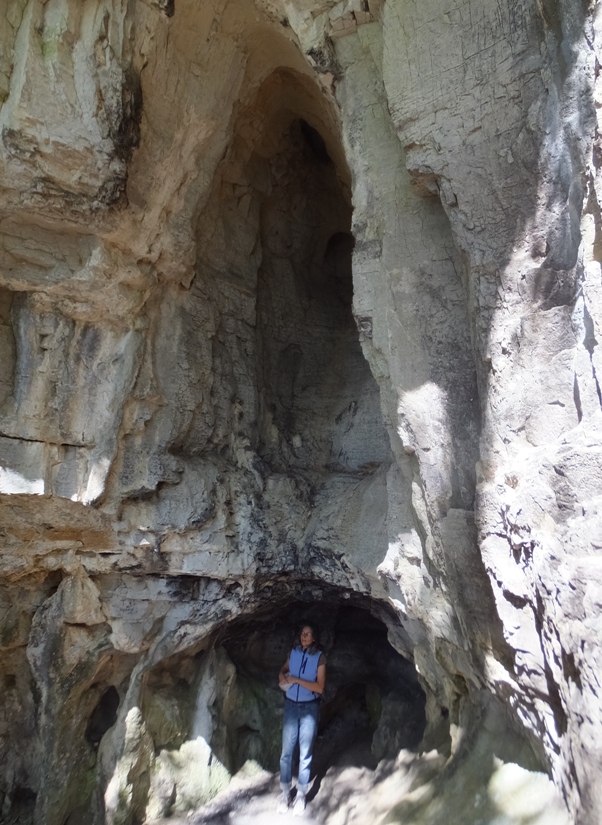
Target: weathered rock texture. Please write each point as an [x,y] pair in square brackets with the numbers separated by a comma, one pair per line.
[300,303]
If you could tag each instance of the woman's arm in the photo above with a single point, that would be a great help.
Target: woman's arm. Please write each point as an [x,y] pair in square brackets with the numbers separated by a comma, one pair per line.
[316,687]
[283,675]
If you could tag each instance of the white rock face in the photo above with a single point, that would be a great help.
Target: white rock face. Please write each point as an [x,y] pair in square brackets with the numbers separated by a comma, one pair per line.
[299,301]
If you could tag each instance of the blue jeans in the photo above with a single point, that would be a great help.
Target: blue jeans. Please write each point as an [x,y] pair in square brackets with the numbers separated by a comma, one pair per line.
[300,726]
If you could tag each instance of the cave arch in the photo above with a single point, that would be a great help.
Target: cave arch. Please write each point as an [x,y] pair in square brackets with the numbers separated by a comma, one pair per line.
[274,400]
[291,250]
[222,692]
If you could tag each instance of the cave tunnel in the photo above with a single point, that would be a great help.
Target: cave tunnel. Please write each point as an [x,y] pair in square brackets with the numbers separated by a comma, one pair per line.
[373,704]
[226,688]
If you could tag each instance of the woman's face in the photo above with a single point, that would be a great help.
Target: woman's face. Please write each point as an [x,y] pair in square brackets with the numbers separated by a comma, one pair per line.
[306,636]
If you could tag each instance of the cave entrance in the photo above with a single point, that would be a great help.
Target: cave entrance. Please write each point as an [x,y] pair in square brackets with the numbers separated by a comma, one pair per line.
[372,707]
[227,696]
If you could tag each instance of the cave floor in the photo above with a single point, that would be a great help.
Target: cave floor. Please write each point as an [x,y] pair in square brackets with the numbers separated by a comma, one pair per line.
[412,789]
[262,809]
[254,805]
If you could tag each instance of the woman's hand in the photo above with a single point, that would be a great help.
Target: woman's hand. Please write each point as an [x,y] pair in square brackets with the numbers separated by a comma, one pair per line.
[285,679]
[283,675]
[316,687]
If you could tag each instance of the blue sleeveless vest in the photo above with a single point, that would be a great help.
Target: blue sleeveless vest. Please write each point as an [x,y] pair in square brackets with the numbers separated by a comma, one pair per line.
[304,666]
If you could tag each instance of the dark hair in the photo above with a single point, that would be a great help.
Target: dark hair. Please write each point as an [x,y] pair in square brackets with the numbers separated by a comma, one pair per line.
[315,632]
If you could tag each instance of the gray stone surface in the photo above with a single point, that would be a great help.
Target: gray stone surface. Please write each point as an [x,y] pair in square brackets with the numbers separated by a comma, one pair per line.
[299,301]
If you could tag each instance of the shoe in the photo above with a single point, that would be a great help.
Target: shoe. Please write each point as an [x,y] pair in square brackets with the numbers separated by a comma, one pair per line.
[299,807]
[283,803]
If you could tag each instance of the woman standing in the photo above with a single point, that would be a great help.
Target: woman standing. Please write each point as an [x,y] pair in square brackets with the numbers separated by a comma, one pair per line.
[302,676]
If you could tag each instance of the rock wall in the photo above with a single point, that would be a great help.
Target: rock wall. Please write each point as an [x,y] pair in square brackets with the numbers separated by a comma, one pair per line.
[299,302]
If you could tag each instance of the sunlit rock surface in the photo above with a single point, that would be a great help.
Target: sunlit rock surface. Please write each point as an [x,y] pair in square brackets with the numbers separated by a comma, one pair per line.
[300,305]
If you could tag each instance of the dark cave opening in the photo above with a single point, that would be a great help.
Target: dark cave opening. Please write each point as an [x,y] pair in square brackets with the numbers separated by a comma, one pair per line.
[20,807]
[103,717]
[315,141]
[373,705]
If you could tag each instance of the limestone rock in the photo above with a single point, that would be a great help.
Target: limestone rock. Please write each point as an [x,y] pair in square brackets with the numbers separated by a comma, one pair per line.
[300,307]
[126,795]
[80,601]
